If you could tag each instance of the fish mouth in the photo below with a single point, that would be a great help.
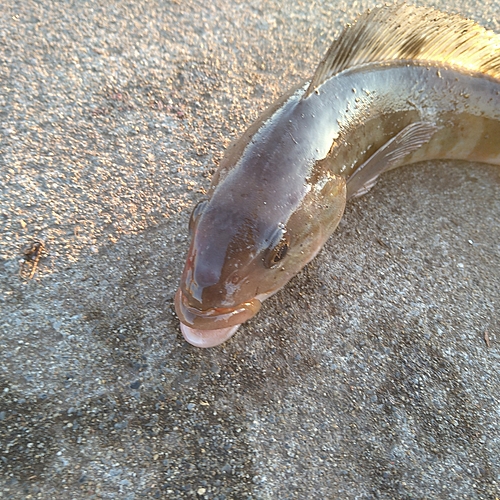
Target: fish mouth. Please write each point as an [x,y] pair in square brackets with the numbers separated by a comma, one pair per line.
[211,327]
[207,338]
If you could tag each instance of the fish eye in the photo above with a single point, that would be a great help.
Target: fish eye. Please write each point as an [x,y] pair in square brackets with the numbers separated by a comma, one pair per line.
[195,214]
[278,252]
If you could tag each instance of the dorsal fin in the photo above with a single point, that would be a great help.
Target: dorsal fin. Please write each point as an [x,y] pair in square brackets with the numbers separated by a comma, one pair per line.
[401,32]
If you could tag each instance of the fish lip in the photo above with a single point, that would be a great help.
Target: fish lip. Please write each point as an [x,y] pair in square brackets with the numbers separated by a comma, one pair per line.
[215,318]
[207,338]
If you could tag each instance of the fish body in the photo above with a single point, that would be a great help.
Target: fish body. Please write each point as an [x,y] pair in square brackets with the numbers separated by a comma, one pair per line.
[386,94]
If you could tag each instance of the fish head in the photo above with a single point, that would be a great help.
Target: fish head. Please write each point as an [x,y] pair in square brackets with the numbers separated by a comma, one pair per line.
[245,247]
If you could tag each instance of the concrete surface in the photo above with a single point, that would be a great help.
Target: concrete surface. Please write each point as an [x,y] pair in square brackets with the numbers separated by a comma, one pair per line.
[367,377]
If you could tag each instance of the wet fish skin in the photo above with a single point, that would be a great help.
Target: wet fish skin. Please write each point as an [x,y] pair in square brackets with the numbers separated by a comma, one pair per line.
[281,189]
[229,270]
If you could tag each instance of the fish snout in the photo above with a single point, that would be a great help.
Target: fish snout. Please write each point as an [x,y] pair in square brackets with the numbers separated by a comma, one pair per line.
[204,276]
[197,278]
[215,318]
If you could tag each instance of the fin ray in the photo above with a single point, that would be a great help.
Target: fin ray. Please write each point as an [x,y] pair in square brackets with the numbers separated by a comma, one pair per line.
[401,32]
[389,156]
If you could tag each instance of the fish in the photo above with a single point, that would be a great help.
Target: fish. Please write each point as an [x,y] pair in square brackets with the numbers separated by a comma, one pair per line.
[402,84]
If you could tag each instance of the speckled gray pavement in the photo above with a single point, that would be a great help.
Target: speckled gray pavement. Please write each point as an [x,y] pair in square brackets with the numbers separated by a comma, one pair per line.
[368,377]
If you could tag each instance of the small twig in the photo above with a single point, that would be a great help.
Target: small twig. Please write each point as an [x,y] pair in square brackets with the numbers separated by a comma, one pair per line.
[487,339]
[33,254]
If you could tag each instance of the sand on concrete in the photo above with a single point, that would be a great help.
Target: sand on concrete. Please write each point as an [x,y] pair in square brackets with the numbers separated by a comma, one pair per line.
[369,376]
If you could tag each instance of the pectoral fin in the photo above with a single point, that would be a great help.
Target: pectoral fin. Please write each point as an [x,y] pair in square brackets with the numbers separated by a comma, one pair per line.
[389,156]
